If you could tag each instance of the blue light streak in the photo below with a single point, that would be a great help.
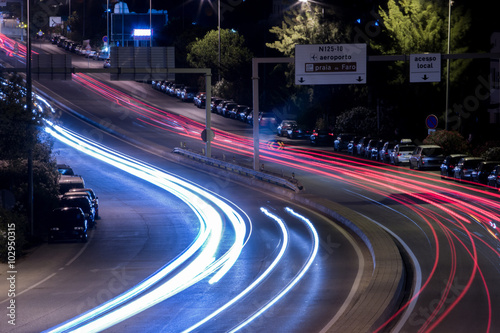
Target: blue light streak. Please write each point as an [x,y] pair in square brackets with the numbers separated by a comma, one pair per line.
[202,252]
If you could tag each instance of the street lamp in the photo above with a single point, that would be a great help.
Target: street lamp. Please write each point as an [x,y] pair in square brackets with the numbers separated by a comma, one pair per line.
[450,2]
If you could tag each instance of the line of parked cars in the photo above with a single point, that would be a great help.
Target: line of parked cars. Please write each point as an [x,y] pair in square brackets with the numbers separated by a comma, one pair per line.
[81,49]
[226,108]
[78,208]
[464,168]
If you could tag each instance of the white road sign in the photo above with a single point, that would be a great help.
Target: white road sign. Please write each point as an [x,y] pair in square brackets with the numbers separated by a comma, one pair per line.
[425,67]
[330,64]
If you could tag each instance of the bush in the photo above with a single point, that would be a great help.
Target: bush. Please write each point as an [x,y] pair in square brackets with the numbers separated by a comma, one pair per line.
[492,154]
[451,141]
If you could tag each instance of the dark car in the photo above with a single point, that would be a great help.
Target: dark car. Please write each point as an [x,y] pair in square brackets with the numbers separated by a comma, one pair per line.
[188,93]
[82,202]
[65,169]
[342,141]
[226,109]
[222,105]
[93,197]
[215,102]
[361,145]
[237,111]
[321,137]
[373,148]
[426,157]
[464,167]
[483,170]
[385,151]
[298,132]
[67,182]
[284,126]
[449,163]
[68,223]
[352,145]
[243,113]
[494,177]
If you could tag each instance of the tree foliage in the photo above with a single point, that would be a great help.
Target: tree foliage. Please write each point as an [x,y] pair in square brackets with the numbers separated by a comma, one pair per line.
[420,26]
[311,26]
[21,131]
[235,56]
[360,120]
[451,141]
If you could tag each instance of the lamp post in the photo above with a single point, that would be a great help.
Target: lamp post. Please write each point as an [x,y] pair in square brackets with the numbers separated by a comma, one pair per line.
[107,25]
[450,2]
[218,24]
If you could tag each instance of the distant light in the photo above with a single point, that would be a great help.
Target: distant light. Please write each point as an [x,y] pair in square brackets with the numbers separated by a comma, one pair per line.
[142,32]
[358,20]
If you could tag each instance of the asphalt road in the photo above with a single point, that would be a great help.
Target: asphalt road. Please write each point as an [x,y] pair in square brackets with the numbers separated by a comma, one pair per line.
[447,231]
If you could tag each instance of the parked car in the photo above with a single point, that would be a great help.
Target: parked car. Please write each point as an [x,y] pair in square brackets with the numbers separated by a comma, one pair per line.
[342,141]
[426,157]
[243,113]
[482,171]
[352,145]
[267,119]
[238,111]
[215,102]
[65,169]
[372,148]
[68,223]
[321,137]
[226,109]
[448,165]
[361,145]
[82,202]
[464,167]
[200,98]
[494,177]
[299,132]
[188,93]
[67,182]
[94,198]
[284,126]
[221,105]
[385,151]
[401,154]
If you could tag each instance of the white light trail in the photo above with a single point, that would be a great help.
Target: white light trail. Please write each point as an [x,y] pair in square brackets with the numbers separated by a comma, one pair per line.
[202,252]
[297,278]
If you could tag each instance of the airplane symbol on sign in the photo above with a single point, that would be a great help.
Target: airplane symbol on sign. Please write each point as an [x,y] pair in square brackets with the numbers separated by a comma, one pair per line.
[314,57]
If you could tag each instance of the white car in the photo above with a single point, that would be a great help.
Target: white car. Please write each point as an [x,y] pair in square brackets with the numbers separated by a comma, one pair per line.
[401,154]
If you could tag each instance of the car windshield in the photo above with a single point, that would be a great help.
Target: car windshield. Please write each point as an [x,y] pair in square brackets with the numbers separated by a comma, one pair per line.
[81,202]
[432,151]
[406,148]
[67,218]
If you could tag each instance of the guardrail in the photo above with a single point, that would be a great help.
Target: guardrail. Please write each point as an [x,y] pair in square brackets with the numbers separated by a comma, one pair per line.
[240,170]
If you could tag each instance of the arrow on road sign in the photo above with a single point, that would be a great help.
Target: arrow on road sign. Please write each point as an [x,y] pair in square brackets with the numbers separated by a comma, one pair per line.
[359,79]
[425,77]
[301,80]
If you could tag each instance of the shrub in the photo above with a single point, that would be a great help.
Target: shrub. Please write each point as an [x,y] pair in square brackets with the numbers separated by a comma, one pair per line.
[451,141]
[492,154]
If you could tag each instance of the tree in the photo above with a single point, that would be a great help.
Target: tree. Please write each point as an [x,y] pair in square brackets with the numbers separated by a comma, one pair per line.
[235,56]
[20,132]
[360,120]
[234,63]
[307,25]
[312,26]
[419,26]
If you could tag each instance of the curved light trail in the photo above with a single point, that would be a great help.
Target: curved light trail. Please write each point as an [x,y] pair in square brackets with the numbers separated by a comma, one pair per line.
[202,252]
[449,217]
